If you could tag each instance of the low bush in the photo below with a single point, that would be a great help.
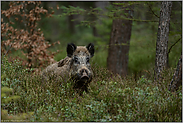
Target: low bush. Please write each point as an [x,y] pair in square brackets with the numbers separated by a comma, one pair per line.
[111,98]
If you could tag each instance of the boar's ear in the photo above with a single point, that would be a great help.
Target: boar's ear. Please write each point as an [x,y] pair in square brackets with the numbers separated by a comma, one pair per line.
[91,49]
[70,49]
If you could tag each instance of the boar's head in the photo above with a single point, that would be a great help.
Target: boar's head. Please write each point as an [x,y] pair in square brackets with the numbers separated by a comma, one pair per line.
[80,69]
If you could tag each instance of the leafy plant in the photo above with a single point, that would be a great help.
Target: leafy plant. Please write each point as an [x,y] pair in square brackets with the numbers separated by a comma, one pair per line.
[27,36]
[6,116]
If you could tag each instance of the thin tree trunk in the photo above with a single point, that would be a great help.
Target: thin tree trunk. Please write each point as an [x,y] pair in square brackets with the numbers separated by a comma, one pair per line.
[117,60]
[54,24]
[70,18]
[161,61]
[102,5]
[94,18]
[177,77]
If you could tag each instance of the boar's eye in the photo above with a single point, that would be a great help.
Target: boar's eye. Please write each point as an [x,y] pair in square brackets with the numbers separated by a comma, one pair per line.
[76,60]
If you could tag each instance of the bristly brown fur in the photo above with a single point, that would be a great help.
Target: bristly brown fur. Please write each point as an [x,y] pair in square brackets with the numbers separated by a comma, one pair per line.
[66,68]
[81,49]
[64,61]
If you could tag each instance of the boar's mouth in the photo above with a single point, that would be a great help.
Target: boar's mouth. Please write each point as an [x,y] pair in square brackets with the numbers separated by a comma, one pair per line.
[83,75]
[81,78]
[84,78]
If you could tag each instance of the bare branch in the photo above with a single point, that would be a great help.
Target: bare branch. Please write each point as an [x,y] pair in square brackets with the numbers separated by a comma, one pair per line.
[152,11]
[174,44]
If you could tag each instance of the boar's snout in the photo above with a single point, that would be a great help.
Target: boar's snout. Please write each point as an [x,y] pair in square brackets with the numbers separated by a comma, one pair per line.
[84,76]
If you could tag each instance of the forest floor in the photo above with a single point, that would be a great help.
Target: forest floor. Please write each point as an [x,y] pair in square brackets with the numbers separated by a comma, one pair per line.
[110,98]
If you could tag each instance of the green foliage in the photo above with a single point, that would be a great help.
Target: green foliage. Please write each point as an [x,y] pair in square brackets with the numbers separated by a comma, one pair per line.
[110,98]
[71,10]
[142,50]
[7,99]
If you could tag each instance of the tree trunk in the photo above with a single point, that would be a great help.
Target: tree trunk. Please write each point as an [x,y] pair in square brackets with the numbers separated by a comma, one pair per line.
[94,18]
[177,77]
[117,60]
[70,18]
[55,30]
[161,61]
[102,5]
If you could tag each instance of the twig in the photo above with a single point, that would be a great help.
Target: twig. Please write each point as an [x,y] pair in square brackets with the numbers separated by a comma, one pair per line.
[7,50]
[152,11]
[174,44]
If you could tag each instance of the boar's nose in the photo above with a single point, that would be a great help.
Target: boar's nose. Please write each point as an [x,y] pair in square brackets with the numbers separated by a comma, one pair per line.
[84,74]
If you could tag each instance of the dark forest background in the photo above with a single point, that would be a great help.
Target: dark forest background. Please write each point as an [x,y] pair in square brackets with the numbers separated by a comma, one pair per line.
[36,34]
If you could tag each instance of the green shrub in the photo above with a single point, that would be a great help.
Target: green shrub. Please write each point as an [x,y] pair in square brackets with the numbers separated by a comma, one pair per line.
[111,98]
[6,100]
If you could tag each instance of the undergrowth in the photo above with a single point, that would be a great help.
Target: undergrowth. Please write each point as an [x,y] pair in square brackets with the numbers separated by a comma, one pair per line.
[111,98]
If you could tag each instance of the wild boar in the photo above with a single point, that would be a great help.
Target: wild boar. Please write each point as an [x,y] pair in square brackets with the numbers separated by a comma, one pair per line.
[74,66]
